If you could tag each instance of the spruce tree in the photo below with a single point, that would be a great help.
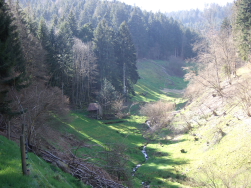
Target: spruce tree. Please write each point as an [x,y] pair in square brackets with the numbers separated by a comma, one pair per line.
[12,66]
[104,50]
[139,32]
[86,33]
[61,56]
[73,23]
[126,59]
[43,33]
[244,25]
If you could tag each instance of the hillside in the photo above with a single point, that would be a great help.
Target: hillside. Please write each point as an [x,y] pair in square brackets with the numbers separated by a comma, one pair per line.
[209,142]
[93,115]
[205,143]
[89,139]
[217,138]
[42,174]
[200,19]
[156,77]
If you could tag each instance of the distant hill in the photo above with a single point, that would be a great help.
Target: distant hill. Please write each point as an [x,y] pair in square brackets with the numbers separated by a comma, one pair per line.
[198,19]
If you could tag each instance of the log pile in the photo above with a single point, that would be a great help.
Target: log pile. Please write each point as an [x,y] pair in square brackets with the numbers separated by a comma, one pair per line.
[86,172]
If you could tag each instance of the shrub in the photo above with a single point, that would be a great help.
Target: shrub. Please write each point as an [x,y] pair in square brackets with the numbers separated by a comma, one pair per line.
[158,114]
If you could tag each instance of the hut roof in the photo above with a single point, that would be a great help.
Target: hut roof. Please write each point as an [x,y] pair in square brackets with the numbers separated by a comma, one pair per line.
[93,107]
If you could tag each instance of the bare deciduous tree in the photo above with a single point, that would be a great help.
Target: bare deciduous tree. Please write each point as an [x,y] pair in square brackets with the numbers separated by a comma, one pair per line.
[215,62]
[212,176]
[85,72]
[118,106]
[38,104]
[243,96]
[158,114]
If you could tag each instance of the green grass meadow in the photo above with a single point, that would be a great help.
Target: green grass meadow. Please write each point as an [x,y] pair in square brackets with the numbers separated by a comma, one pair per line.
[42,174]
[160,170]
[155,78]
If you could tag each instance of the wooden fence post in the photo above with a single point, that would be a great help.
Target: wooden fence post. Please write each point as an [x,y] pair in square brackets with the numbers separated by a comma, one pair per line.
[23,156]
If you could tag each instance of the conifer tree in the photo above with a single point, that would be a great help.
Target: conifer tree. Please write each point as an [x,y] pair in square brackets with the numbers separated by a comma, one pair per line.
[244,25]
[138,31]
[126,59]
[86,33]
[73,23]
[60,57]
[104,50]
[12,66]
[43,33]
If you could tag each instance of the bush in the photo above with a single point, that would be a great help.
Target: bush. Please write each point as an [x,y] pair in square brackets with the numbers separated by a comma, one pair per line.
[158,114]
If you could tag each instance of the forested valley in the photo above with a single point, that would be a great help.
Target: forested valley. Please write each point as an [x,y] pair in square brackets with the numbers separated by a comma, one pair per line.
[99,93]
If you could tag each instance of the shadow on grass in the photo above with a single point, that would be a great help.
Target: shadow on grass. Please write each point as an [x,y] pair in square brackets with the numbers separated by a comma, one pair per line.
[181,105]
[158,170]
[161,170]
[94,132]
[174,95]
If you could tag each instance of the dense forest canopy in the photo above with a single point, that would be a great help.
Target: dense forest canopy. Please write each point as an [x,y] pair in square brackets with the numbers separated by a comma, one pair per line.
[114,35]
[87,45]
[154,34]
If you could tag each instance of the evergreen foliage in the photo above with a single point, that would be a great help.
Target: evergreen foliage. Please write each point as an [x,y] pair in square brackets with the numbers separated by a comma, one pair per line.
[243,22]
[154,34]
[126,59]
[104,50]
[116,44]
[12,65]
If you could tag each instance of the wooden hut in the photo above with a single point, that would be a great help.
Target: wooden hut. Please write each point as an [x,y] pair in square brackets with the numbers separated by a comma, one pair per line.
[95,110]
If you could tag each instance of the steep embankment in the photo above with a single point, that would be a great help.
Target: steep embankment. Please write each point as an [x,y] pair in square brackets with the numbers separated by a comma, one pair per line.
[212,134]
[217,144]
[42,174]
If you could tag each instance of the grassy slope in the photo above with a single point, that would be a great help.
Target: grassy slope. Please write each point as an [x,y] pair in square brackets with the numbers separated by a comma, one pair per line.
[129,132]
[154,79]
[42,174]
[166,165]
[223,159]
[160,169]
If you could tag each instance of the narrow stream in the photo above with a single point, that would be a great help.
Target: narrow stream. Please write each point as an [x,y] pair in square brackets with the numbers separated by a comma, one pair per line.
[139,165]
[148,123]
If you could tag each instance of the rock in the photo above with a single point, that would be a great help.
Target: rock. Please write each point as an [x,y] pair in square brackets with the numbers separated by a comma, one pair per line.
[183,151]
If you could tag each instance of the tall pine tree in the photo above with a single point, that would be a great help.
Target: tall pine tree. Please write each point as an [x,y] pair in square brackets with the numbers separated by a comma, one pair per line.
[104,50]
[12,66]
[126,59]
[244,25]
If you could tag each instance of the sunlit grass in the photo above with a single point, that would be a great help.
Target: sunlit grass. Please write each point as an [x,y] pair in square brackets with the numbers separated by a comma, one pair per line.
[42,174]
[153,80]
